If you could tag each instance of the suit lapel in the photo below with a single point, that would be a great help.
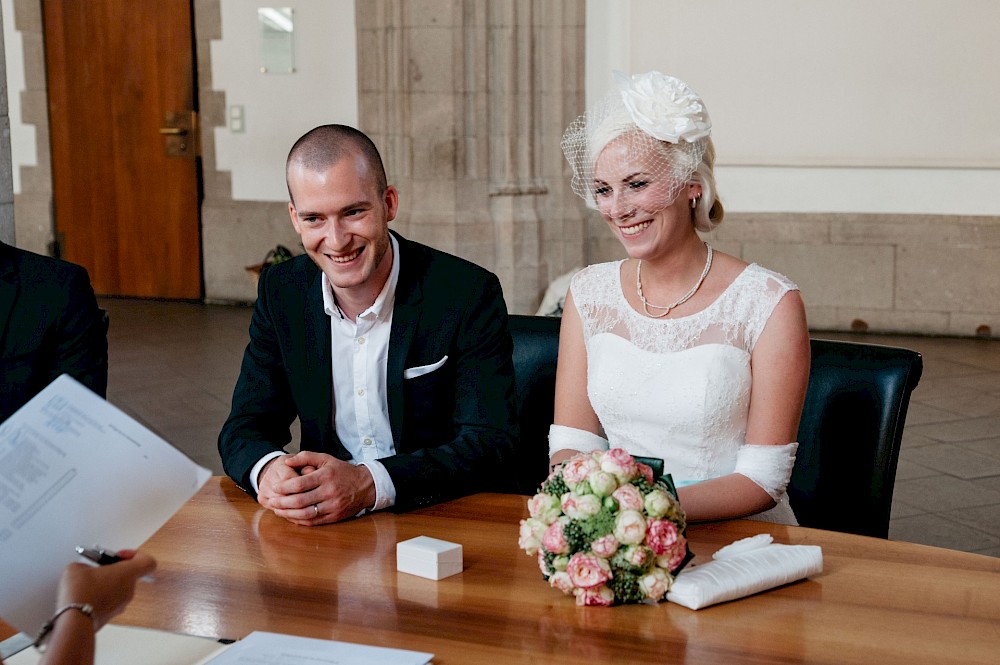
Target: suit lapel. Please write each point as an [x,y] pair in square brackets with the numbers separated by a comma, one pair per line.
[318,360]
[405,317]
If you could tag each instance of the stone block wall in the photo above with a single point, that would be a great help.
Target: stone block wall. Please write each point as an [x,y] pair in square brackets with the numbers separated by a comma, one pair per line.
[934,274]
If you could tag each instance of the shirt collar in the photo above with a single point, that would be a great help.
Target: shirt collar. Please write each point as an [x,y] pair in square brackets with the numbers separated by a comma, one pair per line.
[383,303]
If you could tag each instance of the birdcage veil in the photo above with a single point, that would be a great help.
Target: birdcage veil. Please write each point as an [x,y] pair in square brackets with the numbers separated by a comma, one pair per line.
[656,120]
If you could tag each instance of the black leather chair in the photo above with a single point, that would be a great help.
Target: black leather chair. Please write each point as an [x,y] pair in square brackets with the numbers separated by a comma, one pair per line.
[536,347]
[849,435]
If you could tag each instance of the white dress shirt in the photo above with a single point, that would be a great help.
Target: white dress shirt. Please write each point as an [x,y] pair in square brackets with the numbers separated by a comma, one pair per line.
[360,352]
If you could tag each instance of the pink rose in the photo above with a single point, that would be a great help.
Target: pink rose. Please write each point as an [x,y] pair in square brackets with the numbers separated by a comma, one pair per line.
[587,570]
[655,584]
[661,536]
[629,497]
[630,527]
[580,506]
[637,556]
[600,596]
[530,536]
[619,463]
[577,469]
[605,546]
[560,580]
[554,540]
[674,555]
[645,471]
[544,507]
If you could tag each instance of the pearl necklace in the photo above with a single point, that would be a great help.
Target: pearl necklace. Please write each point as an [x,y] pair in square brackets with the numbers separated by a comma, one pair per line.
[646,305]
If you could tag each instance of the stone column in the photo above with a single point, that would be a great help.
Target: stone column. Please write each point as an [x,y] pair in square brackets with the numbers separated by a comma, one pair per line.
[6,177]
[467,100]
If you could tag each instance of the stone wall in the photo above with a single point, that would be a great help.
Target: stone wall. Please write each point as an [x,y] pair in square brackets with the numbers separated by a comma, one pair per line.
[934,274]
[6,181]
[468,101]
[33,204]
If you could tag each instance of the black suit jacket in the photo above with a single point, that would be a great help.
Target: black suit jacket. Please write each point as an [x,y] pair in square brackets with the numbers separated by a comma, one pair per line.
[50,324]
[453,428]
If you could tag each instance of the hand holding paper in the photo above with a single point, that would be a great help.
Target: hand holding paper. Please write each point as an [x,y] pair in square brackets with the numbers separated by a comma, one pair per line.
[77,471]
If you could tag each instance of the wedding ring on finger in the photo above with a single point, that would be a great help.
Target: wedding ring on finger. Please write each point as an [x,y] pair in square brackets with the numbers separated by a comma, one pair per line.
[315,510]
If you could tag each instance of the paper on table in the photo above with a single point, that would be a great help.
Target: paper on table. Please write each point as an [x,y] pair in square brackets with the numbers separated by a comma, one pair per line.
[746,567]
[126,645]
[276,649]
[75,470]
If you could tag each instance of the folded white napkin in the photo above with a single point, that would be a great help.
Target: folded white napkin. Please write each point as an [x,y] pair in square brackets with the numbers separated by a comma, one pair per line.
[743,568]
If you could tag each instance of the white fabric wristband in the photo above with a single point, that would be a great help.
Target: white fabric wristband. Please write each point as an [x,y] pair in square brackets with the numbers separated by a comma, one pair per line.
[562,437]
[770,467]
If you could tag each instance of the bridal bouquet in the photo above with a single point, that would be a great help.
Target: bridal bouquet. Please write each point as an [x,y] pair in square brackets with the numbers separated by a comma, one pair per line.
[605,531]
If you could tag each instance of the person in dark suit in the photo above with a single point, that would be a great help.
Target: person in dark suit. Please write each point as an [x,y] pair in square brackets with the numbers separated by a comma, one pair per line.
[50,324]
[395,357]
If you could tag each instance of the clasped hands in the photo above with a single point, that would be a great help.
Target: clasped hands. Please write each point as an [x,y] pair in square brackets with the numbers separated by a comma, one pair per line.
[310,488]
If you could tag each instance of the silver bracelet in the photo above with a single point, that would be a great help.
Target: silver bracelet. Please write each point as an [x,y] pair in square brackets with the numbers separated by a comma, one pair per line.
[86,608]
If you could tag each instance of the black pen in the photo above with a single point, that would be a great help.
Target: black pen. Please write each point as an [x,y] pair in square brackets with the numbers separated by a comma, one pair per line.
[98,555]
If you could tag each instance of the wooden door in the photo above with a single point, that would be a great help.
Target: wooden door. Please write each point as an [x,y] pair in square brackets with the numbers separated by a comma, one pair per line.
[125,171]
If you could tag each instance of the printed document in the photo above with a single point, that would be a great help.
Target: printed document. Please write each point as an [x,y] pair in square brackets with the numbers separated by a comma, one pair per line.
[75,470]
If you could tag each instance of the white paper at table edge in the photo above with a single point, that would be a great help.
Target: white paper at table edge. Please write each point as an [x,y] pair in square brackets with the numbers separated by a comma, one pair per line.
[262,643]
[152,481]
[127,645]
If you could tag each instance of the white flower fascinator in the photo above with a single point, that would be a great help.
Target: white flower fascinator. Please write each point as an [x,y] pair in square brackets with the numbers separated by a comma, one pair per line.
[664,107]
[666,124]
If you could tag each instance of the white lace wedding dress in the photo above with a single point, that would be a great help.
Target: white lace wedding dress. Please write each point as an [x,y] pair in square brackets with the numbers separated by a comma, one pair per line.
[676,389]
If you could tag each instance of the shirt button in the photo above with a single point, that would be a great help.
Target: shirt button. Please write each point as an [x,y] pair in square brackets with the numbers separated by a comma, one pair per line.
[361,392]
[361,340]
[367,442]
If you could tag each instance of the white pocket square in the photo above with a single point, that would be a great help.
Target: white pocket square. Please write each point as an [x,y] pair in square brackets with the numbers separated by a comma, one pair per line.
[414,372]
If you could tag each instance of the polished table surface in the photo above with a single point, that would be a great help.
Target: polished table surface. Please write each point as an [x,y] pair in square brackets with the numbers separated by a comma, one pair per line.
[227,567]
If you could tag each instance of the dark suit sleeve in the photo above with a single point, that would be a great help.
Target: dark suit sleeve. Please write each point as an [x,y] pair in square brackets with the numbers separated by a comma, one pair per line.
[483,422]
[263,408]
[80,343]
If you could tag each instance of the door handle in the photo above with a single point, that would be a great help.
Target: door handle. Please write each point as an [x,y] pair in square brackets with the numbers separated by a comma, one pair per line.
[176,131]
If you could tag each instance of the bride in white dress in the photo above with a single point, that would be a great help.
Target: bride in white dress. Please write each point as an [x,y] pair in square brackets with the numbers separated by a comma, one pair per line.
[678,352]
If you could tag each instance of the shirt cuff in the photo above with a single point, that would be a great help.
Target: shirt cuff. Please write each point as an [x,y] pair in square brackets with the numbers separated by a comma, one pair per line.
[255,471]
[385,491]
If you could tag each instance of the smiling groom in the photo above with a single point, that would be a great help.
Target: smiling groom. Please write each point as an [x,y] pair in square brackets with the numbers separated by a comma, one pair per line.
[394,357]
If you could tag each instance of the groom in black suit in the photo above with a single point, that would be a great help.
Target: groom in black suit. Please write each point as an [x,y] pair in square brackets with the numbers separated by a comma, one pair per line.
[394,357]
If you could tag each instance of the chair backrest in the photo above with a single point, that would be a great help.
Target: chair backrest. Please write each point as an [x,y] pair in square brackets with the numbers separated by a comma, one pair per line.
[536,348]
[849,435]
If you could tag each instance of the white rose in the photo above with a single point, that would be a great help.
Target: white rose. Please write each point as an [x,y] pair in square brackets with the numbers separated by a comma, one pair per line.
[655,584]
[630,527]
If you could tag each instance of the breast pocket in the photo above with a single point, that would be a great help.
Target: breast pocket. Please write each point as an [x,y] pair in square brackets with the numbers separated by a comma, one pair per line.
[423,370]
[428,391]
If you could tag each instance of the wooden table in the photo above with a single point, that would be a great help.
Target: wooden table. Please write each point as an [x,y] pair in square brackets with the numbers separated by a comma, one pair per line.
[228,568]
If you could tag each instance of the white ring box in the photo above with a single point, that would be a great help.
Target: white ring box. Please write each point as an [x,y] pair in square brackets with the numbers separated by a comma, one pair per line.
[429,557]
